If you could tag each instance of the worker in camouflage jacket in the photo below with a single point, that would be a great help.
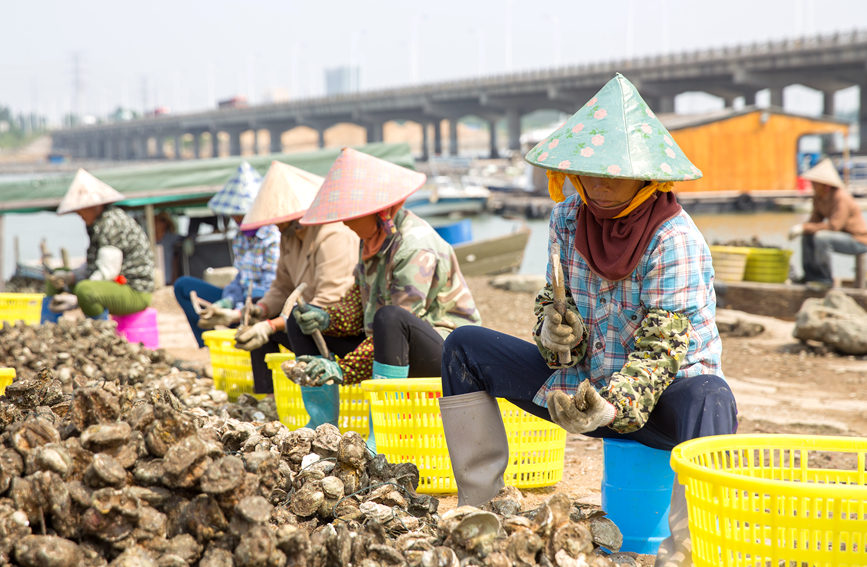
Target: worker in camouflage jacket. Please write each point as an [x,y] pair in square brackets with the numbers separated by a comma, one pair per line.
[626,346]
[409,293]
[118,277]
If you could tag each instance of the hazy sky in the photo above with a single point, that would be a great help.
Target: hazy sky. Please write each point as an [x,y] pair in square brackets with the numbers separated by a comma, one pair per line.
[186,54]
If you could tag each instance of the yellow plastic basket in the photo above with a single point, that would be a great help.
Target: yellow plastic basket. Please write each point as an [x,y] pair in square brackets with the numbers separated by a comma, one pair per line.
[7,375]
[290,407]
[408,428]
[25,307]
[729,262]
[233,373]
[769,500]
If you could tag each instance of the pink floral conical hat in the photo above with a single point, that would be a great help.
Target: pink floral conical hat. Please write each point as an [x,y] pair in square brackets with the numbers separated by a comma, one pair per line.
[285,194]
[359,184]
[87,191]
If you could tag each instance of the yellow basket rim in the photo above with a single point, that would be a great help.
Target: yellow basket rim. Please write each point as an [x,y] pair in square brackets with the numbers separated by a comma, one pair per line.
[219,334]
[15,295]
[6,372]
[702,445]
[278,356]
[403,385]
[742,250]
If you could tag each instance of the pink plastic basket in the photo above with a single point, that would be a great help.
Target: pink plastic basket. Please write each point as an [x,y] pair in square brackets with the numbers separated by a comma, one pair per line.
[139,327]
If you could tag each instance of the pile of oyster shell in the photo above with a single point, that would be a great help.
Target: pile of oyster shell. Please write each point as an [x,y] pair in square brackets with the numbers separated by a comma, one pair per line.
[147,467]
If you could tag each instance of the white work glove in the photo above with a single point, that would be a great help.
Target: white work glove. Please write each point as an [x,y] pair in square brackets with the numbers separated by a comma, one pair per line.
[257,313]
[796,231]
[585,411]
[109,261]
[255,336]
[214,315]
[559,336]
[63,302]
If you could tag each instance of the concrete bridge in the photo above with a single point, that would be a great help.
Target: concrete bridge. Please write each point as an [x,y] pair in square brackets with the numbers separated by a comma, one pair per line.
[826,63]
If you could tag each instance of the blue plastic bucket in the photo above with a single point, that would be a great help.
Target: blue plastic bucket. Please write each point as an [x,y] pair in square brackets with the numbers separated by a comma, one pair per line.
[47,315]
[636,493]
[456,233]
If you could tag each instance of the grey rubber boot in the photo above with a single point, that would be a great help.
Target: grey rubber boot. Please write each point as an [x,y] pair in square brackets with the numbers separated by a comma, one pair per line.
[676,549]
[478,446]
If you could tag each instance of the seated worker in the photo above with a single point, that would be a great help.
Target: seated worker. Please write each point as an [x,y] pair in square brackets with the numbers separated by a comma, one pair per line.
[166,235]
[836,224]
[317,256]
[255,254]
[409,293]
[118,277]
[639,312]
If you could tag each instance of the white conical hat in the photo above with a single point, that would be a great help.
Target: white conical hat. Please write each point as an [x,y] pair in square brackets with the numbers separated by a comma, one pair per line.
[824,172]
[285,195]
[87,191]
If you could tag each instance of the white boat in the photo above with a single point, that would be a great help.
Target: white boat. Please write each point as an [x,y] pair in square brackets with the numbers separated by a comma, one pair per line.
[443,197]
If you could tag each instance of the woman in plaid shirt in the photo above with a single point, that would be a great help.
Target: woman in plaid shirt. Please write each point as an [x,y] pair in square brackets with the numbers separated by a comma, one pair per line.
[638,322]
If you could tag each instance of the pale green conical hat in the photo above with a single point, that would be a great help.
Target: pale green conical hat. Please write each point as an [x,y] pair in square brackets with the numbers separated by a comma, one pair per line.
[615,134]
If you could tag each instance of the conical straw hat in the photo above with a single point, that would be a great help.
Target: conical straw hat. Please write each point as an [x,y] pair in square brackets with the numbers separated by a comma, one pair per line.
[824,172]
[285,194]
[236,196]
[359,184]
[615,134]
[87,191]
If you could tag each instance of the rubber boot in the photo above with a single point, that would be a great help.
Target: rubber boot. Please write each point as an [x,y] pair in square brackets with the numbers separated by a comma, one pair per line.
[477,443]
[382,372]
[676,549]
[322,404]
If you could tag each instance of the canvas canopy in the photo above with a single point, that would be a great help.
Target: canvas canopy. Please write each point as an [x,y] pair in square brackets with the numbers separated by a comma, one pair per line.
[175,183]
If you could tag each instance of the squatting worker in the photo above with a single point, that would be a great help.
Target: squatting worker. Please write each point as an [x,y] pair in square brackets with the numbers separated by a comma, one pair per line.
[639,321]
[836,224]
[254,252]
[317,256]
[118,277]
[409,293]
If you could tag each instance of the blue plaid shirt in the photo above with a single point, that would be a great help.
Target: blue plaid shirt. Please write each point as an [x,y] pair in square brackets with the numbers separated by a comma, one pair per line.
[256,260]
[675,274]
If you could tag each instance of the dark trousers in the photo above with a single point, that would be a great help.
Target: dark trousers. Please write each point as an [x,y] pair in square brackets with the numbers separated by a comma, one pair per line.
[478,359]
[183,286]
[402,339]
[298,343]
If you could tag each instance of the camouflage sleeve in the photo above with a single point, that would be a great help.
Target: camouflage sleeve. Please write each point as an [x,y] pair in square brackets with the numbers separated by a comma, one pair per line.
[412,277]
[347,315]
[660,346]
[546,297]
[357,365]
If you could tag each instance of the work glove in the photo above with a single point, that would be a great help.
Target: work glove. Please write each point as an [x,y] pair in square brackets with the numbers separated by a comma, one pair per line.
[309,370]
[257,313]
[254,336]
[559,336]
[585,411]
[213,316]
[312,319]
[796,231]
[225,303]
[61,279]
[63,302]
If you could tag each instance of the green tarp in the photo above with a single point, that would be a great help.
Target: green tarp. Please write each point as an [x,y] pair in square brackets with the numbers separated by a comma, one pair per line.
[174,182]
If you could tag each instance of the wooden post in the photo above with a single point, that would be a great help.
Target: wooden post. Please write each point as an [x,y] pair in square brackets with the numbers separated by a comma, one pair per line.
[151,229]
[859,270]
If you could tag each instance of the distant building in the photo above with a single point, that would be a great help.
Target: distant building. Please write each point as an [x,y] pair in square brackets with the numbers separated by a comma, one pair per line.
[341,80]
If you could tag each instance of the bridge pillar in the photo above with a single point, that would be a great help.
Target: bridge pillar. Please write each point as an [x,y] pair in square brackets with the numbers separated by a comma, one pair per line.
[862,118]
[93,148]
[453,136]
[374,134]
[234,142]
[276,142]
[425,143]
[828,103]
[776,96]
[492,135]
[438,137]
[320,136]
[215,143]
[179,145]
[140,148]
[123,149]
[197,144]
[513,125]
[750,98]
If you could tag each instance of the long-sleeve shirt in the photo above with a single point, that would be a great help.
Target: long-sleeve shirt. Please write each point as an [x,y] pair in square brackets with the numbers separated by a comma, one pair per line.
[256,259]
[321,256]
[415,269]
[837,210]
[116,228]
[643,331]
